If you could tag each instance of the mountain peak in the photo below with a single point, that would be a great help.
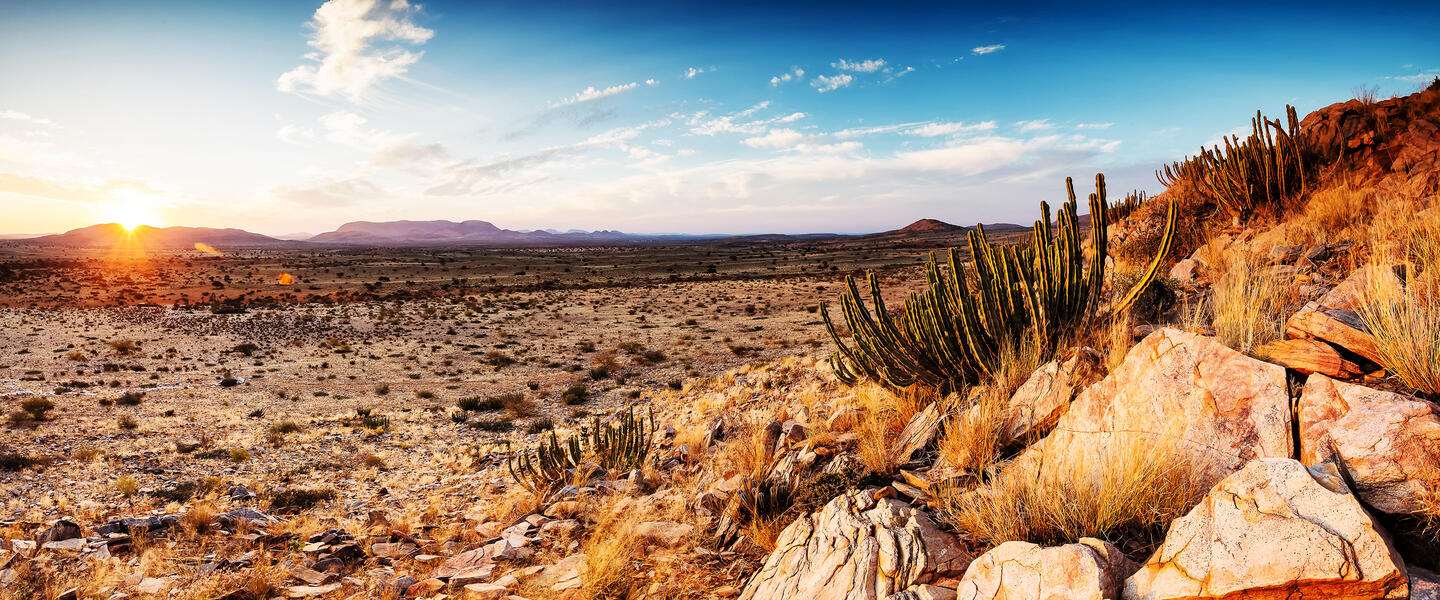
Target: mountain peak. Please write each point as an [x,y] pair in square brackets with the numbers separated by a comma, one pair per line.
[929,226]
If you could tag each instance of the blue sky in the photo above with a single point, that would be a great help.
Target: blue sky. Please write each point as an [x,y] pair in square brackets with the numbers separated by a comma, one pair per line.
[649,117]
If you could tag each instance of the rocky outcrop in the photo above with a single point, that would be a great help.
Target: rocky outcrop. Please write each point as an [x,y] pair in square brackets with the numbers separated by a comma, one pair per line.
[1277,530]
[1037,404]
[1221,407]
[1089,570]
[857,548]
[1395,141]
[1388,444]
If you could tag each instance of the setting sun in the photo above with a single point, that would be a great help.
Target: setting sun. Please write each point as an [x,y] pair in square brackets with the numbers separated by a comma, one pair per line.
[131,212]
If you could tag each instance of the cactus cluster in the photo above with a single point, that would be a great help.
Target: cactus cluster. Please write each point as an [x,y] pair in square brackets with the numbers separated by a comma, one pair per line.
[616,446]
[956,333]
[1124,208]
[1266,167]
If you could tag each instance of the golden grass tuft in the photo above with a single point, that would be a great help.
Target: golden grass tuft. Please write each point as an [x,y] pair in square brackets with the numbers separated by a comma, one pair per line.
[885,414]
[1404,320]
[1126,492]
[973,437]
[1248,305]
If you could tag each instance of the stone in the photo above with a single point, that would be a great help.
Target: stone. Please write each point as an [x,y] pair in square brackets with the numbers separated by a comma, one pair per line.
[308,575]
[311,591]
[1309,356]
[917,434]
[559,528]
[564,509]
[70,545]
[393,550]
[479,574]
[1220,407]
[1089,570]
[424,588]
[561,576]
[152,585]
[1284,255]
[665,533]
[1037,404]
[59,531]
[856,548]
[1188,271]
[925,591]
[1273,530]
[23,547]
[486,591]
[1338,326]
[460,562]
[1424,584]
[1387,444]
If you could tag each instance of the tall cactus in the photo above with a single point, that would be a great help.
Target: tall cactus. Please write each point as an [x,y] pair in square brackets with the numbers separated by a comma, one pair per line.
[1267,167]
[954,334]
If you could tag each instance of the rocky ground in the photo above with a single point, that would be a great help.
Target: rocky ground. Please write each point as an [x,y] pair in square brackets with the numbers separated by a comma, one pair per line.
[1246,433]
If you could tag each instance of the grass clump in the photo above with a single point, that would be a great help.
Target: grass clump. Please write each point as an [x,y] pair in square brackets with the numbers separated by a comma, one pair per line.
[1249,305]
[575,394]
[37,407]
[296,500]
[1404,319]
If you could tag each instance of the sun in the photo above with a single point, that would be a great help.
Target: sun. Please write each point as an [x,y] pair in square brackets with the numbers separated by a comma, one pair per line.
[132,211]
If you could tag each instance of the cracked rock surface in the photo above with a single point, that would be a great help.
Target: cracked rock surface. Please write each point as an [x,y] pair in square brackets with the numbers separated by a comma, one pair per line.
[1274,529]
[1088,570]
[857,548]
[1388,444]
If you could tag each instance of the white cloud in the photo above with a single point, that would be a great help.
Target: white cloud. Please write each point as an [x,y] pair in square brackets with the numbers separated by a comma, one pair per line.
[794,74]
[937,129]
[295,134]
[591,93]
[827,83]
[1035,125]
[693,71]
[350,60]
[863,66]
[1421,77]
[983,50]
[1094,125]
[20,116]
[651,81]
[776,138]
[702,123]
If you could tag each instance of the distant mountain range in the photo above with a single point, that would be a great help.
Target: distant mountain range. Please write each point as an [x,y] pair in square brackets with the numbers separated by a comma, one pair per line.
[414,233]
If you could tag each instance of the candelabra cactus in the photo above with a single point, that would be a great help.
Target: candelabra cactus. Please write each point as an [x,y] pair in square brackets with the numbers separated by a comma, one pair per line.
[955,333]
[617,446]
[1268,166]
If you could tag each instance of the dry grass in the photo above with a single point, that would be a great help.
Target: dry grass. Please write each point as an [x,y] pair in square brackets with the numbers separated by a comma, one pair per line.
[1127,491]
[1248,305]
[1405,320]
[974,436]
[885,415]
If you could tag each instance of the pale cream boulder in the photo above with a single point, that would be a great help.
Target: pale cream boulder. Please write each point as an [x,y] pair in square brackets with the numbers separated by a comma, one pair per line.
[1038,403]
[857,548]
[1215,406]
[1388,444]
[1088,570]
[1274,530]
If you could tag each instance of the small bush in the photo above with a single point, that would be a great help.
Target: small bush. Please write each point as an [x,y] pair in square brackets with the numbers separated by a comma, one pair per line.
[126,486]
[124,347]
[424,394]
[493,425]
[10,461]
[295,500]
[37,407]
[540,425]
[575,394]
[130,398]
[382,389]
[239,455]
[285,427]
[127,422]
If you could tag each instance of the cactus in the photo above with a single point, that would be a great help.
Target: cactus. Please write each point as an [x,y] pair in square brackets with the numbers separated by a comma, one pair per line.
[1267,167]
[1126,207]
[954,334]
[617,447]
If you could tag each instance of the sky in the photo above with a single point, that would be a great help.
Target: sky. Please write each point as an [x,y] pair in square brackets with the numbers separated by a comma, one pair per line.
[651,117]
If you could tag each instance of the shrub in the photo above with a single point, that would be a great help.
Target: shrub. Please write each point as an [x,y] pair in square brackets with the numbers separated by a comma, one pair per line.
[123,347]
[37,407]
[10,461]
[540,425]
[295,500]
[493,425]
[575,394]
[1404,320]
[382,389]
[424,394]
[126,486]
[285,427]
[239,455]
[130,398]
[127,422]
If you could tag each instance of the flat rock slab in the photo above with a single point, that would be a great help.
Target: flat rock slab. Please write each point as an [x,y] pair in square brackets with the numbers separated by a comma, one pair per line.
[1274,530]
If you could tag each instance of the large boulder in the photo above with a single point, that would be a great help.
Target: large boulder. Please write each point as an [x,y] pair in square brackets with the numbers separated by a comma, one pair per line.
[1216,406]
[1037,404]
[1274,530]
[1089,570]
[1388,444]
[857,548]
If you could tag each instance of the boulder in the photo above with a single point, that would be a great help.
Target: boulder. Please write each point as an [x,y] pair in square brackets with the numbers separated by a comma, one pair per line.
[1220,407]
[1089,570]
[1387,444]
[1274,529]
[917,434]
[857,548]
[1188,271]
[1309,356]
[1037,404]
[1424,585]
[1332,318]
[664,533]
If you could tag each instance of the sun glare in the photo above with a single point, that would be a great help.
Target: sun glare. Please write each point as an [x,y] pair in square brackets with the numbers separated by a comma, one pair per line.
[132,212]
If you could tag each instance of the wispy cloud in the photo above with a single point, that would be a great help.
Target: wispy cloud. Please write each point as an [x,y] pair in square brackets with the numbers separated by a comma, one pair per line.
[983,50]
[860,66]
[1420,77]
[776,138]
[691,72]
[830,83]
[1035,125]
[20,116]
[1094,125]
[350,56]
[593,93]
[794,74]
